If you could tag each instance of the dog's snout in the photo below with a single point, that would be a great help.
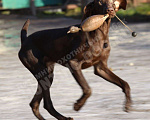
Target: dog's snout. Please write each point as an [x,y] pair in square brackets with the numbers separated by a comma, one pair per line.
[110,10]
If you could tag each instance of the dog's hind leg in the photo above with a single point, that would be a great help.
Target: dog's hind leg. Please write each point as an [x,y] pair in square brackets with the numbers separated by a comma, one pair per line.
[103,71]
[36,102]
[75,69]
[30,64]
[44,76]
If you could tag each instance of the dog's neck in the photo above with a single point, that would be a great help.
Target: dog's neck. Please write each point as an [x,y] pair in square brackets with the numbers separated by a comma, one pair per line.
[103,28]
[100,35]
[102,31]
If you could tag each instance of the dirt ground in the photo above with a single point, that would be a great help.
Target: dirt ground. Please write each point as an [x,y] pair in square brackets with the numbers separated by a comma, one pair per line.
[130,59]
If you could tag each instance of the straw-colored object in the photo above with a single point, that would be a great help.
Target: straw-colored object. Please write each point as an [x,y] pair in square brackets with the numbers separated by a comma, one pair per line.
[90,24]
[93,22]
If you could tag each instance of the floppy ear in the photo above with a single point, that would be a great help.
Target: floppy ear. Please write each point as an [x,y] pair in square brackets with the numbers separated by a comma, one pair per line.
[87,8]
[120,4]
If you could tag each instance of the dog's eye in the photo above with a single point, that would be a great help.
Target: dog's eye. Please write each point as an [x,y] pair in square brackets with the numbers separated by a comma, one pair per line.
[114,6]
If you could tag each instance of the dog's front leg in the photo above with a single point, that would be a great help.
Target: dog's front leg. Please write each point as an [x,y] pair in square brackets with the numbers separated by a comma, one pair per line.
[75,68]
[103,71]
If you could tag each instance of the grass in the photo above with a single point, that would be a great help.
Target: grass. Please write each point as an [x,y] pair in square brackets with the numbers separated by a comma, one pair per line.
[75,13]
[140,13]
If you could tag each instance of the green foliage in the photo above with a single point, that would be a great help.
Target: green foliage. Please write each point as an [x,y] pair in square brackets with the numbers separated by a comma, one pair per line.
[139,13]
[76,13]
[73,13]
[5,12]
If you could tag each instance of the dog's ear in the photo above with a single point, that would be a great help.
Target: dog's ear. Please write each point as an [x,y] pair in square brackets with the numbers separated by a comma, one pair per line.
[120,4]
[87,8]
[84,10]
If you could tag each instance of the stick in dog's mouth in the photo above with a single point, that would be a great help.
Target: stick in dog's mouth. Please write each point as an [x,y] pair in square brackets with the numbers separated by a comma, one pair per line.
[134,34]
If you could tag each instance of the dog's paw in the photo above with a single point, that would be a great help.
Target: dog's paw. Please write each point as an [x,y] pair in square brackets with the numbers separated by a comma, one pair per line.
[128,107]
[77,106]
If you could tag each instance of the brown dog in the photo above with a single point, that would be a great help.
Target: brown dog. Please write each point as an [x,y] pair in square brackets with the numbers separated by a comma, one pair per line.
[41,50]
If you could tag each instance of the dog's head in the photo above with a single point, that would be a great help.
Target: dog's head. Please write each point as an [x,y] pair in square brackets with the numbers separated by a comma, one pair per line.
[104,7]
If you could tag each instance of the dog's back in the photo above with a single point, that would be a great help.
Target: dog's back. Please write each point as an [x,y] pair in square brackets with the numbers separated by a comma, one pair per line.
[54,43]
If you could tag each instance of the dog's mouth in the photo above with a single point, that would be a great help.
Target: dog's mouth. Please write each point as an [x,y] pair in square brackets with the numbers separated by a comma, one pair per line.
[112,15]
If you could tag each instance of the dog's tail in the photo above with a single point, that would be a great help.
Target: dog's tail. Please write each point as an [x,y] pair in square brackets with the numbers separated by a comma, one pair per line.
[24,31]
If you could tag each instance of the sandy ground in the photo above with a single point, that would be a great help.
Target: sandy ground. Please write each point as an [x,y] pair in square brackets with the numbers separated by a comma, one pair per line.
[130,59]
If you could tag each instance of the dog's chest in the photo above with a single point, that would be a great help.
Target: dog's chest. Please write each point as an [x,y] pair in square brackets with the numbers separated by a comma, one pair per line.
[96,48]
[94,53]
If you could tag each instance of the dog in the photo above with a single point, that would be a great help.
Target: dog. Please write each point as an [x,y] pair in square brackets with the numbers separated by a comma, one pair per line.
[40,51]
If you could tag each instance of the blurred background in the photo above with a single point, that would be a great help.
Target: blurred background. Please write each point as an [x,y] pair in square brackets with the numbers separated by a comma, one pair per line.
[129,59]
[137,11]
